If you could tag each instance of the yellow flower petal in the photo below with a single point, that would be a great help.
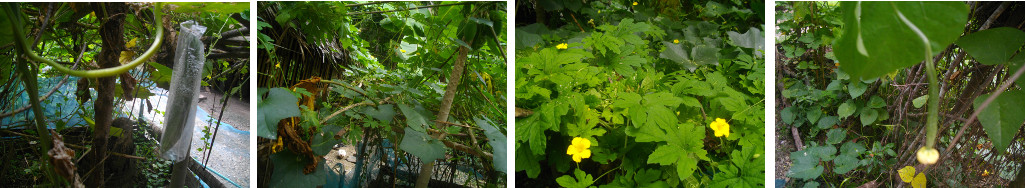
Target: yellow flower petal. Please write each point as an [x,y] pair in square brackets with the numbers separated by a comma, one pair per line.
[676,41]
[720,127]
[585,154]
[562,46]
[635,3]
[578,149]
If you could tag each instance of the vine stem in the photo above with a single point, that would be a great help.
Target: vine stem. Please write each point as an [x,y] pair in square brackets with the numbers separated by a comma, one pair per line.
[23,47]
[930,71]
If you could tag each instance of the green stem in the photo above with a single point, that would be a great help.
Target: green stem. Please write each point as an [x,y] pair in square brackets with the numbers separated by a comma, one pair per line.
[934,103]
[934,90]
[29,77]
[24,47]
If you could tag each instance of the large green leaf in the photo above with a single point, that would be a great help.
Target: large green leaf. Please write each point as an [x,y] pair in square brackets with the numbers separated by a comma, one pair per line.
[835,136]
[279,104]
[844,164]
[383,112]
[753,38]
[582,180]
[856,88]
[288,171]
[827,122]
[683,148]
[993,46]
[846,110]
[805,166]
[497,140]
[325,141]
[876,40]
[787,114]
[422,145]
[869,116]
[1002,118]
[414,118]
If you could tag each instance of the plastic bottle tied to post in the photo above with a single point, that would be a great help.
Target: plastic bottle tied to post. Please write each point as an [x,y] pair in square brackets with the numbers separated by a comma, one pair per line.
[181,109]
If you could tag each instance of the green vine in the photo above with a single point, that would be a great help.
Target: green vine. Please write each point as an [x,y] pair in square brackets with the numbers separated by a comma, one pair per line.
[13,14]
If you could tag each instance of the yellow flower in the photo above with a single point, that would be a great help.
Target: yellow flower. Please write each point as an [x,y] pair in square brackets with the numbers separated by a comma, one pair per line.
[277,65]
[635,3]
[591,21]
[579,149]
[562,46]
[720,127]
[599,11]
[676,41]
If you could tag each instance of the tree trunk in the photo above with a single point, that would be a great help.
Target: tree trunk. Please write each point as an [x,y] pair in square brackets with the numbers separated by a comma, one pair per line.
[446,106]
[112,34]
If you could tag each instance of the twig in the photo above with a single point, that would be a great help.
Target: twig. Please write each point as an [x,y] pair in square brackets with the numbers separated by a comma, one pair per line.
[346,86]
[456,124]
[346,108]
[577,22]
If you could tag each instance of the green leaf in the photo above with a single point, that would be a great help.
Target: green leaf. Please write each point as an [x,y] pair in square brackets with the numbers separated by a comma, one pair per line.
[383,112]
[844,164]
[279,104]
[788,115]
[324,141]
[1002,118]
[527,37]
[920,101]
[993,46]
[876,102]
[876,40]
[814,115]
[869,116]
[423,146]
[856,89]
[812,184]
[582,180]
[827,122]
[825,153]
[683,148]
[835,136]
[705,55]
[806,166]
[7,34]
[753,39]
[288,171]
[497,141]
[846,110]
[676,53]
[414,119]
[161,74]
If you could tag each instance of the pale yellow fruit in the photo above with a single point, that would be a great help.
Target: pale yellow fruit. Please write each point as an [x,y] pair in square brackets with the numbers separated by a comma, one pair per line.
[928,156]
